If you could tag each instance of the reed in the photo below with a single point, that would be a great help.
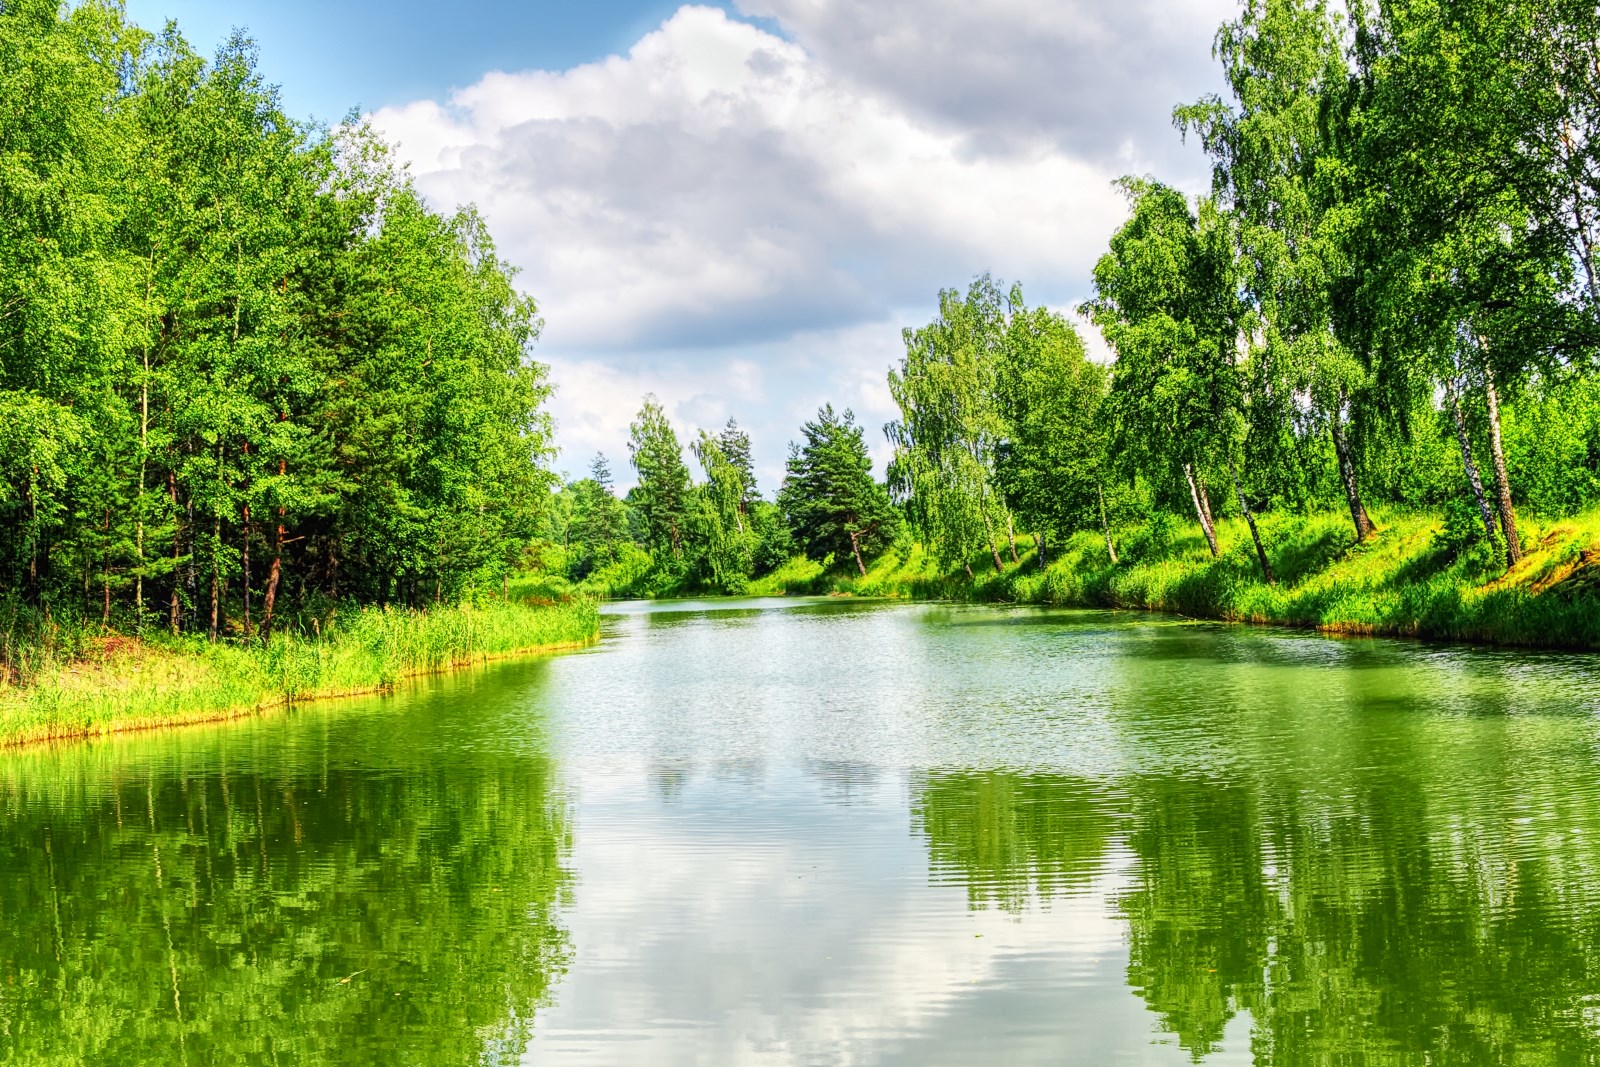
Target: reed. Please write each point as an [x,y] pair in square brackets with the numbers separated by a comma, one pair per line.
[66,679]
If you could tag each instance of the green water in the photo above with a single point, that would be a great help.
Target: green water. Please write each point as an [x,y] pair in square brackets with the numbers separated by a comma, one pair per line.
[816,832]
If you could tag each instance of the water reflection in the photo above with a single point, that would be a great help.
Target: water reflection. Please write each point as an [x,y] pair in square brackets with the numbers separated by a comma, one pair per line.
[1013,839]
[837,833]
[1391,924]
[308,914]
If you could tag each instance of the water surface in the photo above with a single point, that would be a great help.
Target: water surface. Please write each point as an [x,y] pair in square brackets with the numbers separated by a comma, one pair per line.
[823,832]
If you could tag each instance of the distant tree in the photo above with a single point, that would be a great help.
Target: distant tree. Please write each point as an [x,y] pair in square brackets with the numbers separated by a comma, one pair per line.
[722,538]
[599,524]
[661,496]
[946,439]
[829,497]
[735,446]
[774,543]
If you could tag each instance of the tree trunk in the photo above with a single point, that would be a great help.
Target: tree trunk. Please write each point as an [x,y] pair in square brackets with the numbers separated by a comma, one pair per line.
[191,579]
[1347,472]
[33,540]
[1250,519]
[144,459]
[1205,500]
[1584,231]
[245,570]
[1111,548]
[1011,535]
[177,555]
[277,560]
[1201,510]
[1502,486]
[1038,539]
[855,547]
[970,576]
[273,576]
[1474,481]
[216,578]
[105,571]
[988,532]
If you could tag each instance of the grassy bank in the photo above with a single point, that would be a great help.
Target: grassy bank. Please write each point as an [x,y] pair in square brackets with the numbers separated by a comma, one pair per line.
[65,681]
[1417,577]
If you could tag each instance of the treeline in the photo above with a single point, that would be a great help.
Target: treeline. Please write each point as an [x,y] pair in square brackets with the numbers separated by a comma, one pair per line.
[243,366]
[1389,295]
[672,533]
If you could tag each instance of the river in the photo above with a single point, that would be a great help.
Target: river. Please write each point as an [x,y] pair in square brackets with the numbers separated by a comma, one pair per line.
[829,832]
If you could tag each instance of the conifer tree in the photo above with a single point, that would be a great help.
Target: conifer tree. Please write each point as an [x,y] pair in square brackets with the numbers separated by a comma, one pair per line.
[829,497]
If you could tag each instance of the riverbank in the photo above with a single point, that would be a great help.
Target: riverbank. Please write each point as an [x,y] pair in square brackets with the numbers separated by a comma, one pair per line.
[77,683]
[1413,578]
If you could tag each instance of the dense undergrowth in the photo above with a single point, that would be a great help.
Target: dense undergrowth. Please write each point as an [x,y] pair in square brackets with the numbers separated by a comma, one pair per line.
[1418,576]
[67,680]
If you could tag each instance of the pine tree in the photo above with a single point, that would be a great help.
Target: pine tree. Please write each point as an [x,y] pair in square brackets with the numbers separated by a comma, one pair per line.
[661,496]
[829,497]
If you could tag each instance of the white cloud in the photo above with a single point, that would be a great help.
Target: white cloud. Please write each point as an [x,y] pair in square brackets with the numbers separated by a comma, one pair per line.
[741,221]
[1096,79]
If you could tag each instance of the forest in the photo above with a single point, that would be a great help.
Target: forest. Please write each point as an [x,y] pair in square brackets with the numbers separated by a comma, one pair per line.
[244,366]
[249,373]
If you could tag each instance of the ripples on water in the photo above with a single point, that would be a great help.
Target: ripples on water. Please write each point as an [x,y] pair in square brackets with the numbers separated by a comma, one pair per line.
[821,832]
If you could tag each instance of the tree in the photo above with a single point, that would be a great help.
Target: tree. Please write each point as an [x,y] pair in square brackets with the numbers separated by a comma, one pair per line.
[735,446]
[829,497]
[723,540]
[1050,460]
[661,496]
[1483,277]
[599,524]
[1277,171]
[947,438]
[1168,303]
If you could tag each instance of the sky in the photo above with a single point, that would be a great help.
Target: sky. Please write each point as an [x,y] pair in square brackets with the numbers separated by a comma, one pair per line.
[739,206]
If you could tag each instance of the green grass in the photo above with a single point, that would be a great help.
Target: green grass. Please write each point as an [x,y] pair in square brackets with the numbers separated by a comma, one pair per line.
[1410,579]
[65,681]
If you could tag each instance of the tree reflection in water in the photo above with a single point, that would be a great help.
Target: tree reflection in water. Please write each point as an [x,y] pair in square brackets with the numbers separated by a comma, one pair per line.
[1387,923]
[334,916]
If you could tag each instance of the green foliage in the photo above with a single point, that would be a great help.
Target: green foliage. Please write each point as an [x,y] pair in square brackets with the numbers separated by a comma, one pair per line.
[241,362]
[718,517]
[597,529]
[661,497]
[829,499]
[948,438]
[1051,458]
[1389,297]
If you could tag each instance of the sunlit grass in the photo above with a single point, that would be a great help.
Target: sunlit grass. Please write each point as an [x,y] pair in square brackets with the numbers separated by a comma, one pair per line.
[1406,580]
[71,681]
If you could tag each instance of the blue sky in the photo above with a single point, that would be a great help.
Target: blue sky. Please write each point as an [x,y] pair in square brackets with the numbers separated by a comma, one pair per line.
[737,205]
[337,54]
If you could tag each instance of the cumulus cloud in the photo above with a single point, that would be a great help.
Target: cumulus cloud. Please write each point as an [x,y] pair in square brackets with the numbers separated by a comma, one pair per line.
[741,219]
[1096,79]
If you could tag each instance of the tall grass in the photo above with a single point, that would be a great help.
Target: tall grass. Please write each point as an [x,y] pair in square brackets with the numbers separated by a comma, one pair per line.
[1413,578]
[65,680]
